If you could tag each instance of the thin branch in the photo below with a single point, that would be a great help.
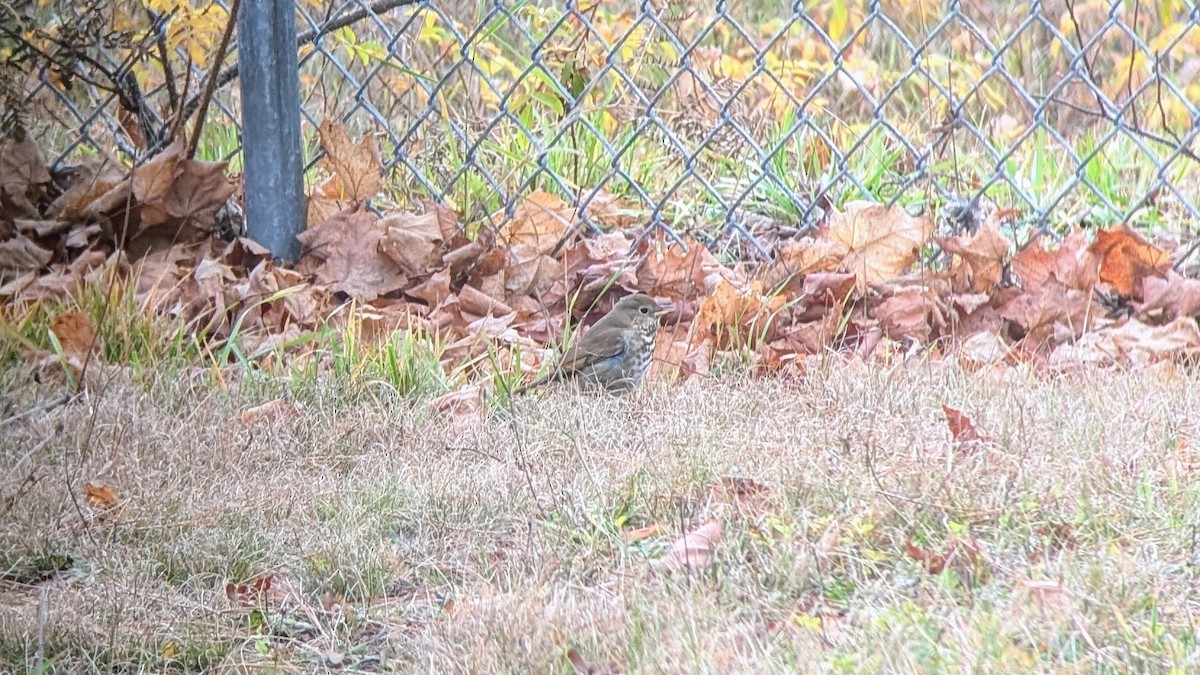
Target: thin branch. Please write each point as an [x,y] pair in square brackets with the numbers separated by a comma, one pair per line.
[210,83]
[376,8]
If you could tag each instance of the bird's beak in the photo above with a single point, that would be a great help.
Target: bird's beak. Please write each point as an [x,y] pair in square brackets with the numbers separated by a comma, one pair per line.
[665,307]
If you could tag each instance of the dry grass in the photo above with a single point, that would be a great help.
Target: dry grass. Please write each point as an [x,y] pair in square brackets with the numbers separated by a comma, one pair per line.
[403,540]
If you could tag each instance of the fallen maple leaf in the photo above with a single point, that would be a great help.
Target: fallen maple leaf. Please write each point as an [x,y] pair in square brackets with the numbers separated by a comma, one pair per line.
[270,412]
[357,165]
[344,253]
[962,429]
[1072,263]
[882,242]
[413,241]
[102,498]
[981,256]
[1175,295]
[693,551]
[1127,258]
[21,164]
[538,222]
[913,314]
[75,332]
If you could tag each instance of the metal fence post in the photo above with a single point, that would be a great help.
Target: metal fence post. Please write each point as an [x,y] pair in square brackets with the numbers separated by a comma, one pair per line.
[274,164]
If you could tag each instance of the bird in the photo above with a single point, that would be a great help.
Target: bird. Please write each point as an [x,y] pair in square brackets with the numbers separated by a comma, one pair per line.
[615,353]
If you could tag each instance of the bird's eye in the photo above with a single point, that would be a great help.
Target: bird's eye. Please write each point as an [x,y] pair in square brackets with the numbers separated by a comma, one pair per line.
[644,310]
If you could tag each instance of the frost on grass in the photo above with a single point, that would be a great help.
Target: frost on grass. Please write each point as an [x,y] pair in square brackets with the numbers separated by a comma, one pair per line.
[912,517]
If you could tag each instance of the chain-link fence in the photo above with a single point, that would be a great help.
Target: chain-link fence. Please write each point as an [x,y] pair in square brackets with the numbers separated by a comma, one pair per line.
[737,124]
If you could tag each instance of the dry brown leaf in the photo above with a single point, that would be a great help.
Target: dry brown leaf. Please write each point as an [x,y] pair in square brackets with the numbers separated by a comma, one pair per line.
[199,189]
[344,253]
[881,242]
[980,263]
[153,180]
[21,253]
[962,429]
[75,332]
[693,551]
[85,182]
[1132,343]
[102,499]
[913,315]
[21,165]
[1052,303]
[1072,263]
[1127,259]
[667,271]
[270,412]
[797,260]
[1174,295]
[678,360]
[582,667]
[413,241]
[538,222]
[982,350]
[357,165]
[734,317]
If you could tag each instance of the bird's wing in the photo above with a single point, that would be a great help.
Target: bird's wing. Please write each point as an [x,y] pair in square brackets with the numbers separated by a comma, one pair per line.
[601,342]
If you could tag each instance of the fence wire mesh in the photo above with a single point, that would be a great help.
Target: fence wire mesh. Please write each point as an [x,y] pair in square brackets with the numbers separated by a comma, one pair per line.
[734,123]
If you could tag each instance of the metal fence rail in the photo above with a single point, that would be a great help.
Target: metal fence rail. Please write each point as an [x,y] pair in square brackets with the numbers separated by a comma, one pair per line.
[735,123]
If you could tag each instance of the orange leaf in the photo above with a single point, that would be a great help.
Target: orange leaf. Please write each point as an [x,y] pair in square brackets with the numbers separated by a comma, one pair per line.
[962,429]
[1127,258]
[75,332]
[101,497]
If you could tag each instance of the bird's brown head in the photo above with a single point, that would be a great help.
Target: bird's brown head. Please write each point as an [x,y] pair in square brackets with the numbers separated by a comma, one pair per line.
[640,310]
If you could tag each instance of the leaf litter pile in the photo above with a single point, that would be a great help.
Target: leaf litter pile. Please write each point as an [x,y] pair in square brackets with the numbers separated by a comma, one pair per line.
[872,281]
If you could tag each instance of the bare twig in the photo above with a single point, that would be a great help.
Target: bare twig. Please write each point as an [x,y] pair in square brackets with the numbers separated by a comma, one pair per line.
[38,409]
[210,83]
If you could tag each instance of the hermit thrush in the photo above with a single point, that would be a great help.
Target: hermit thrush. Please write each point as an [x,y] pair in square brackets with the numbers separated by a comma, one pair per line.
[613,354]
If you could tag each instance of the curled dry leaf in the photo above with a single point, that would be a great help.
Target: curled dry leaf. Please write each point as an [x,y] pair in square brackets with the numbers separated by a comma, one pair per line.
[962,429]
[270,412]
[914,314]
[1173,295]
[357,165]
[413,241]
[102,499]
[882,242]
[75,332]
[1127,259]
[979,265]
[582,666]
[22,253]
[693,551]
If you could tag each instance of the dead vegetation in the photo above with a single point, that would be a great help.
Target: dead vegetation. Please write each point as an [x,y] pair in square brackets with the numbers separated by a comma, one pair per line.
[915,517]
